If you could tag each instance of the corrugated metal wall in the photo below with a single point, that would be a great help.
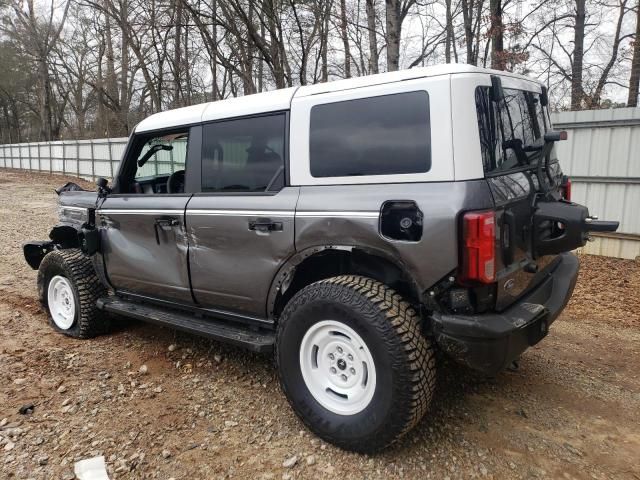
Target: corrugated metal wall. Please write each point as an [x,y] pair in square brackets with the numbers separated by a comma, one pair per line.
[602,157]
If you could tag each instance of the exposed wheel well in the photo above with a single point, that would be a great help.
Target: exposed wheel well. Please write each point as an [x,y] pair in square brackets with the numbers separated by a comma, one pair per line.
[333,262]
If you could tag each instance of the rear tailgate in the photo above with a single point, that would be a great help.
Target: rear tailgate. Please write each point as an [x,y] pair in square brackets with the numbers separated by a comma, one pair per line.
[516,268]
[517,168]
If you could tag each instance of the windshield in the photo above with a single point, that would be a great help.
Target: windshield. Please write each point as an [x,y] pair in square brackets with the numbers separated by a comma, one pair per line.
[511,130]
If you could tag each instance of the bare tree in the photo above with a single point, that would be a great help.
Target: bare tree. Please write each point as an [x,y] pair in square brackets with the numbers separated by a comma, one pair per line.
[496,33]
[577,92]
[634,80]
[373,41]
[39,36]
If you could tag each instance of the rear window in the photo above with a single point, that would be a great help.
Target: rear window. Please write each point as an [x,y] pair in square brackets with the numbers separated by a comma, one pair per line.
[511,131]
[383,135]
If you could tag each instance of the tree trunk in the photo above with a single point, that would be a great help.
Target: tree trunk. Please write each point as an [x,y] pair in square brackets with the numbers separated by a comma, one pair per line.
[324,42]
[45,101]
[261,62]
[345,39]
[467,16]
[497,36]
[178,94]
[448,32]
[634,80]
[578,56]
[111,82]
[214,50]
[393,34]
[373,41]
[124,79]
[7,120]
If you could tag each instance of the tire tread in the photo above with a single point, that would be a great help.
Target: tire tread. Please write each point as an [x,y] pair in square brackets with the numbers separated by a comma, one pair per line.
[78,268]
[413,360]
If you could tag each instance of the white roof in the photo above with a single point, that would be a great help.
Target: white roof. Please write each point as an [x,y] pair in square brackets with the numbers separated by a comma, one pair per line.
[281,99]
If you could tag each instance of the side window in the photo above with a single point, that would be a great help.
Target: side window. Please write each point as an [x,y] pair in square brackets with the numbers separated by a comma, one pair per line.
[244,155]
[383,135]
[158,163]
[168,155]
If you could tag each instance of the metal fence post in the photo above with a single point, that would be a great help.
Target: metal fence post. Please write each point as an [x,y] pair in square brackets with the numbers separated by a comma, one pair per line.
[78,157]
[93,162]
[110,158]
[50,159]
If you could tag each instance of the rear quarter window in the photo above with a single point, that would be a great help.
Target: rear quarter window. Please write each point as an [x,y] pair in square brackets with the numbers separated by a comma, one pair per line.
[382,135]
[511,130]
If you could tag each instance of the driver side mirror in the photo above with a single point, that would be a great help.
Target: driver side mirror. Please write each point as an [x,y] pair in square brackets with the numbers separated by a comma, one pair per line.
[102,184]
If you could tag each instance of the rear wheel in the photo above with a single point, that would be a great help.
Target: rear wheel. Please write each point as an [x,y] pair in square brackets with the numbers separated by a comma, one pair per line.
[353,363]
[68,288]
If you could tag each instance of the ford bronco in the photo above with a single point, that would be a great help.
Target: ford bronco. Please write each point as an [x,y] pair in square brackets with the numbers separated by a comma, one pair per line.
[351,227]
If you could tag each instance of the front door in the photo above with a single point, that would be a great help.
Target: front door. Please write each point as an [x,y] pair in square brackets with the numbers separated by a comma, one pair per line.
[241,225]
[143,221]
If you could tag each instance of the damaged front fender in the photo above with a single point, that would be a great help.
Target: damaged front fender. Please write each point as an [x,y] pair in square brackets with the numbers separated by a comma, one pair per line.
[35,251]
[63,236]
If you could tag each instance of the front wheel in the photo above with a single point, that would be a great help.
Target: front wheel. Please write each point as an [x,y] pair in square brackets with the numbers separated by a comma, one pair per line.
[68,288]
[353,363]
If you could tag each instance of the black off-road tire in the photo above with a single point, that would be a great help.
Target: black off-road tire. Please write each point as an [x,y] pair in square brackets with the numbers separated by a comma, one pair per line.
[78,269]
[404,361]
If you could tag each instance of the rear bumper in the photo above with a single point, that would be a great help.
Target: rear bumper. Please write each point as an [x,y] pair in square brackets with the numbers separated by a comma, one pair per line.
[490,342]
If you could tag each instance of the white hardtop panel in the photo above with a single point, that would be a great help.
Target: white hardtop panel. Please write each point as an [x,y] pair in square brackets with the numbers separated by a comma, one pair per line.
[250,104]
[440,119]
[172,118]
[466,134]
[232,107]
[281,99]
[390,77]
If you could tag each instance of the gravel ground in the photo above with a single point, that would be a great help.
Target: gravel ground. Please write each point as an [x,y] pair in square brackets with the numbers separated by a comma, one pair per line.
[200,409]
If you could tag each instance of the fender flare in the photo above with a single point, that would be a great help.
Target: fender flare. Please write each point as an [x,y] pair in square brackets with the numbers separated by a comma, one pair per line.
[287,271]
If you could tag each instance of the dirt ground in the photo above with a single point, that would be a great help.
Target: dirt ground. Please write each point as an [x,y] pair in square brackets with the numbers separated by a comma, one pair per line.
[205,410]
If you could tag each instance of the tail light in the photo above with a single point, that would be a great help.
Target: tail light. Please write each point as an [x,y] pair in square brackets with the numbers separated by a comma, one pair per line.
[478,244]
[565,188]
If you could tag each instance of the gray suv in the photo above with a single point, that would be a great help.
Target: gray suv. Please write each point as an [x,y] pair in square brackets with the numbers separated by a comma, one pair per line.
[353,227]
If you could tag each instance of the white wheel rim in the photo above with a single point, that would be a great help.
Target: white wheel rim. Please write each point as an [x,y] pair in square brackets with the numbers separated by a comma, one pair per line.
[62,302]
[337,367]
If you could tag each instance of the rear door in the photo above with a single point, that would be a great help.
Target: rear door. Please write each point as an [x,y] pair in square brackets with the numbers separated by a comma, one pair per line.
[241,225]
[518,169]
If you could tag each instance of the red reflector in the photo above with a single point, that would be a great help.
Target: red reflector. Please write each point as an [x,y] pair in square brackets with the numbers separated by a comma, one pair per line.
[563,135]
[479,233]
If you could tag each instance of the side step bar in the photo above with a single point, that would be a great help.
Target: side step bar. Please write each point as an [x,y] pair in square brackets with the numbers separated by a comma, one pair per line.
[257,341]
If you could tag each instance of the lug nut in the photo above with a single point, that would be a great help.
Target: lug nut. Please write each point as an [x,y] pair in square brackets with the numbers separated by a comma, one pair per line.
[333,370]
[352,370]
[344,377]
[331,356]
[339,349]
[350,357]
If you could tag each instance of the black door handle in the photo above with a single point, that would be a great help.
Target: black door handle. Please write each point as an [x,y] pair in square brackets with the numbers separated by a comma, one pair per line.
[265,226]
[165,224]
